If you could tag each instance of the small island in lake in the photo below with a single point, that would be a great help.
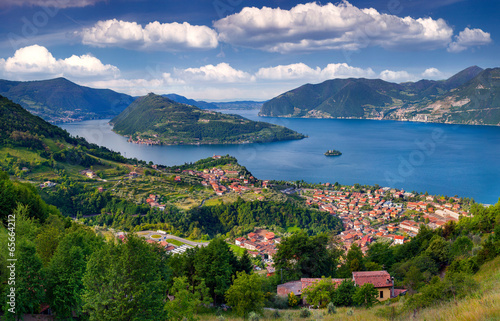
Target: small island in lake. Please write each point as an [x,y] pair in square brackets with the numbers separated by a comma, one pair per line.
[333,152]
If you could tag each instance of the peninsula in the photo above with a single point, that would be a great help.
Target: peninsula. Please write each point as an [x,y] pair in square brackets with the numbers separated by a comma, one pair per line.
[157,120]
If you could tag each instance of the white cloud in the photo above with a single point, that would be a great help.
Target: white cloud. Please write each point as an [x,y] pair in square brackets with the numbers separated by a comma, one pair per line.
[303,71]
[154,36]
[50,3]
[432,73]
[396,76]
[222,73]
[312,26]
[469,38]
[37,62]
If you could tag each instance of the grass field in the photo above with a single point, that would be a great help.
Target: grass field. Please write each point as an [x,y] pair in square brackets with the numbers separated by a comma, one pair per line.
[236,249]
[292,229]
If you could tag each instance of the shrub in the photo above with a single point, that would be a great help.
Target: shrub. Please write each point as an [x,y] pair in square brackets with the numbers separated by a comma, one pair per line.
[292,299]
[276,314]
[331,308]
[305,313]
[252,316]
[278,302]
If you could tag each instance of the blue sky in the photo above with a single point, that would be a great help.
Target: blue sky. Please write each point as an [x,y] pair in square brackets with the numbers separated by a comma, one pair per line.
[220,50]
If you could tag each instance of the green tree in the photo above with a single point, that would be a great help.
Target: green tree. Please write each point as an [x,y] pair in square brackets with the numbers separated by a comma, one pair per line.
[29,286]
[216,264]
[365,295]
[186,299]
[125,281]
[413,279]
[46,243]
[439,251]
[303,256]
[246,295]
[320,293]
[344,293]
[245,263]
[462,246]
[66,269]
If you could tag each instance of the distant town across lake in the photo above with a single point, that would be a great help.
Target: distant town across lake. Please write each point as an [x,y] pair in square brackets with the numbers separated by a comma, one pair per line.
[437,158]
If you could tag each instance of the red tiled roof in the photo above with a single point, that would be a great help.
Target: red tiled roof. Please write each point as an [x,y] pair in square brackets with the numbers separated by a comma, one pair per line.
[379,279]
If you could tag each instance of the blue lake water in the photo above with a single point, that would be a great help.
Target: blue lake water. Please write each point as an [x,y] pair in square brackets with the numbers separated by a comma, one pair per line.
[438,158]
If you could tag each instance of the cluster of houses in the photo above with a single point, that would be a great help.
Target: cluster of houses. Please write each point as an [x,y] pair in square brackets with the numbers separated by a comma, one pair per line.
[89,173]
[153,201]
[381,280]
[260,243]
[225,181]
[367,216]
[144,141]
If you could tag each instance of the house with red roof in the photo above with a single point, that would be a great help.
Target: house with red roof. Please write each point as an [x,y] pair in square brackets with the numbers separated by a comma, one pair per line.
[381,280]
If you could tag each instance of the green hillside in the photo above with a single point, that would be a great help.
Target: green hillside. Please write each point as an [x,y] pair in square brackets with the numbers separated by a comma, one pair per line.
[60,100]
[469,97]
[159,120]
[33,148]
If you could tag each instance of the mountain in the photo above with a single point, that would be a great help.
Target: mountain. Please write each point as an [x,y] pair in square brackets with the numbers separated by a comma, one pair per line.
[197,103]
[60,100]
[476,102]
[469,97]
[29,141]
[245,104]
[154,119]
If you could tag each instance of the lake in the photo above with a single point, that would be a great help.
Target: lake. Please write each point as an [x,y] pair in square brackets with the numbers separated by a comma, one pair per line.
[438,158]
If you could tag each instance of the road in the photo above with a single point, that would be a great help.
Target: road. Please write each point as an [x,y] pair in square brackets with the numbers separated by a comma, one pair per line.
[180,239]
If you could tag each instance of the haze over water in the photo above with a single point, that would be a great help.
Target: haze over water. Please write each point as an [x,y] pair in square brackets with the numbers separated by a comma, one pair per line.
[438,158]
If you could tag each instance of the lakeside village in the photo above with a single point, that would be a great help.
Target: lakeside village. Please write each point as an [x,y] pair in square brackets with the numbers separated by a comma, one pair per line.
[376,215]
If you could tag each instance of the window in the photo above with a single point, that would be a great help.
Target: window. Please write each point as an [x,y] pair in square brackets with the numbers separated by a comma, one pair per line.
[381,294]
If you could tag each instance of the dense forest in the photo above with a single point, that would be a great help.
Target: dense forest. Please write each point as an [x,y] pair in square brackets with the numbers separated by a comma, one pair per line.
[233,220]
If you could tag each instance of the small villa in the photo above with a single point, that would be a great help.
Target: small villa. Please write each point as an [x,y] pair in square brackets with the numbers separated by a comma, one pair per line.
[381,280]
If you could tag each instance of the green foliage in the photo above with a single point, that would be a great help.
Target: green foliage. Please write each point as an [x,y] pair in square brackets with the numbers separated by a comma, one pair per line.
[343,295]
[66,269]
[354,259]
[320,293]
[29,280]
[14,193]
[365,295]
[125,281]
[216,264]
[276,314]
[330,308]
[245,263]
[186,299]
[223,218]
[439,251]
[245,294]
[252,316]
[301,255]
